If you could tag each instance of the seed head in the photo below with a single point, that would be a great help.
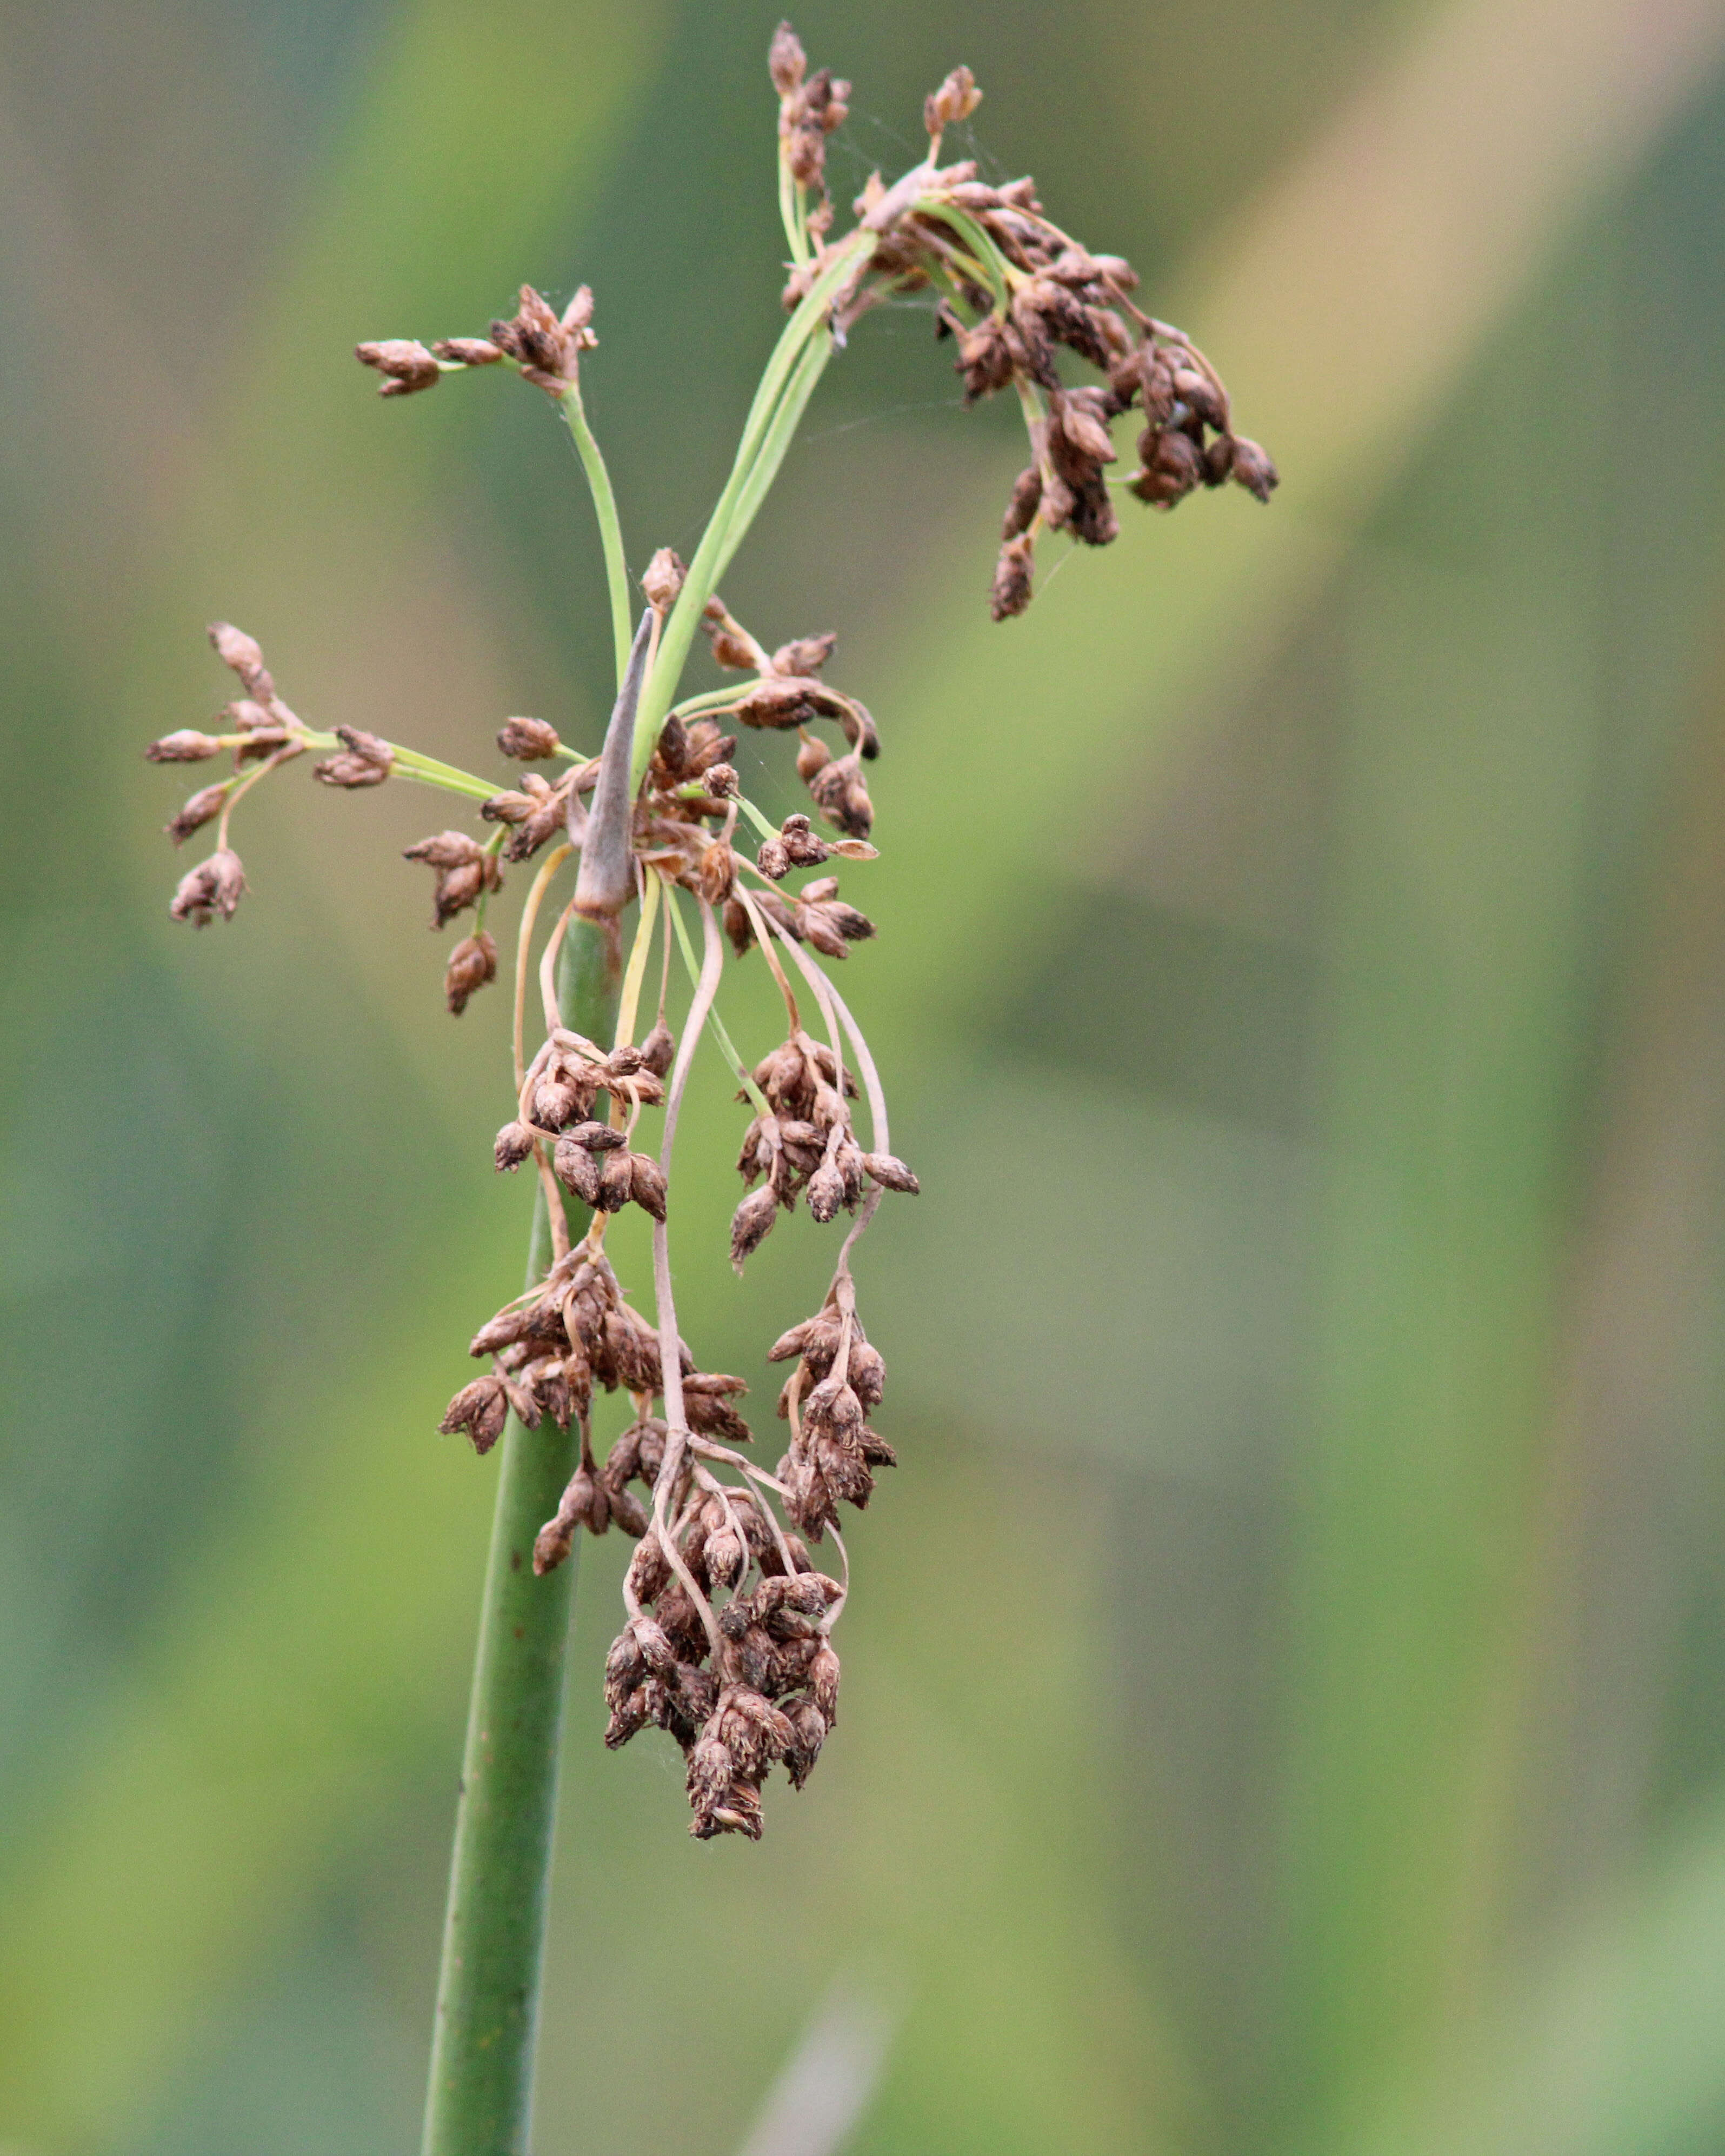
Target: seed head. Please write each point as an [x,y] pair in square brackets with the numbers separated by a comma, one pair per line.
[838,790]
[472,963]
[203,806]
[186,746]
[1013,575]
[364,761]
[955,99]
[515,1141]
[465,869]
[787,62]
[1253,469]
[545,345]
[405,364]
[468,352]
[750,1225]
[663,581]
[215,887]
[659,1049]
[528,741]
[237,649]
[891,1172]
[482,1409]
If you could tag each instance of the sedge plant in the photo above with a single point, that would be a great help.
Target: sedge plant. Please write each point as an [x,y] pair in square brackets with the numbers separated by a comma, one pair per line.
[638,866]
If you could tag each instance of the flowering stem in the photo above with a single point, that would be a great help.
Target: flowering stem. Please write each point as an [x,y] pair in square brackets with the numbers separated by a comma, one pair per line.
[737,504]
[787,418]
[479,2097]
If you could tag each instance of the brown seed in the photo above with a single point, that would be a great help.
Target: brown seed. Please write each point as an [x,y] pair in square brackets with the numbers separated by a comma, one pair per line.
[1021,507]
[738,927]
[842,797]
[186,746]
[597,1138]
[528,741]
[833,1408]
[367,760]
[1253,469]
[467,352]
[726,1556]
[551,1545]
[215,887]
[616,1180]
[717,873]
[663,580]
[787,62]
[628,1512]
[823,1683]
[955,99]
[649,1570]
[1012,574]
[790,1343]
[578,1171]
[892,1173]
[868,1373]
[805,655]
[515,1141]
[809,1727]
[405,364]
[1084,430]
[556,1100]
[647,1184]
[472,963]
[200,810]
[235,648]
[826,1192]
[659,1049]
[751,1224]
[480,1408]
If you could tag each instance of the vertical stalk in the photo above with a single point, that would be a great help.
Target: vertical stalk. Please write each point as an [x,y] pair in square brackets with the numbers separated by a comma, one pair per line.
[480,2098]
[726,528]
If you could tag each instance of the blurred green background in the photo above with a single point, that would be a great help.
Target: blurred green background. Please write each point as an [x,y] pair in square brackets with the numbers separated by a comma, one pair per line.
[1284,1701]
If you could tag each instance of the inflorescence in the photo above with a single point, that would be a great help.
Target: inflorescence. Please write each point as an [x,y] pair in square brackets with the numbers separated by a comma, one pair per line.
[727,1642]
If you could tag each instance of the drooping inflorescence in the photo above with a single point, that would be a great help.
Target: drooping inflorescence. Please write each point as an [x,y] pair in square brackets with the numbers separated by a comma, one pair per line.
[727,1639]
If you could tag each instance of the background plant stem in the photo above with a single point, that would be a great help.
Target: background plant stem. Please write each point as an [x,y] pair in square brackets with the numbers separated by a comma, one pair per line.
[479,2103]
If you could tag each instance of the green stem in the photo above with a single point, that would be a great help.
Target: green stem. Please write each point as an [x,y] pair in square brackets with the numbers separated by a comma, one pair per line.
[410,763]
[479,2097]
[604,503]
[727,526]
[792,210]
[774,443]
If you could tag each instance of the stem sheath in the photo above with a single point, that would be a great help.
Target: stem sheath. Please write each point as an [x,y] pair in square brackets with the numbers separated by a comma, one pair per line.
[480,2098]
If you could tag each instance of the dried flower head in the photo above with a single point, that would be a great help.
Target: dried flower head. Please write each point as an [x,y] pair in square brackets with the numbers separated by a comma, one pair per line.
[472,963]
[404,365]
[548,344]
[214,886]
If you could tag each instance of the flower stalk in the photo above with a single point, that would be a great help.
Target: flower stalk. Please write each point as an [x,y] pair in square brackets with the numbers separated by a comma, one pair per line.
[478,2099]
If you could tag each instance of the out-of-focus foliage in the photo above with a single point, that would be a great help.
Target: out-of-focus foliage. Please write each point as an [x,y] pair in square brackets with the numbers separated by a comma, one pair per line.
[1283,1687]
